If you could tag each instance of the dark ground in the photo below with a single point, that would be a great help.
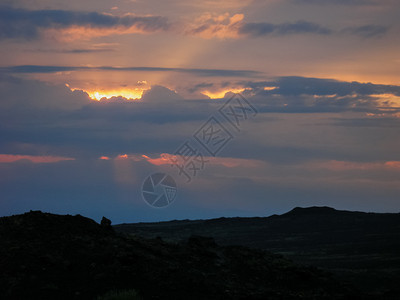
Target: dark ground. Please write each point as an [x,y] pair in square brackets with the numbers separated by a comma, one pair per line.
[47,256]
[360,248]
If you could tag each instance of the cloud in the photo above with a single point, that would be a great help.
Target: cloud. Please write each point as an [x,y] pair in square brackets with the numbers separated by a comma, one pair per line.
[28,96]
[33,112]
[74,51]
[9,158]
[292,85]
[69,25]
[199,72]
[291,94]
[299,27]
[216,26]
[225,26]
[335,165]
[32,24]
[336,2]
[161,95]
[367,31]
[167,160]
[228,162]
[301,94]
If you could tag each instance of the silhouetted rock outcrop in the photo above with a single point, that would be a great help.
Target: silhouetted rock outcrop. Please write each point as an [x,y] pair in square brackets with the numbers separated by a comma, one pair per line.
[105,223]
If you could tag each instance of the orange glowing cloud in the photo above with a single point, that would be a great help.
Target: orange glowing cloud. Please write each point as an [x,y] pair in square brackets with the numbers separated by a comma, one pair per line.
[387,100]
[393,164]
[270,88]
[126,24]
[130,94]
[228,162]
[133,157]
[168,159]
[106,94]
[85,33]
[164,159]
[217,26]
[9,158]
[220,94]
[388,103]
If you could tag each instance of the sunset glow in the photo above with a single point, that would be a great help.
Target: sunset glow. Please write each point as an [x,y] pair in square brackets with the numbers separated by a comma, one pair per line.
[129,94]
[221,94]
[388,100]
[270,88]
[113,89]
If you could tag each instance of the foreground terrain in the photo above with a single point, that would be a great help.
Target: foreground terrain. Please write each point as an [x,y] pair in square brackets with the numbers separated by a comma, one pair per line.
[361,248]
[47,256]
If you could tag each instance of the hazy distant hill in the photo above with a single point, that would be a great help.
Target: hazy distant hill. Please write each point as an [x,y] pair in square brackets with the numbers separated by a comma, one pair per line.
[46,256]
[363,248]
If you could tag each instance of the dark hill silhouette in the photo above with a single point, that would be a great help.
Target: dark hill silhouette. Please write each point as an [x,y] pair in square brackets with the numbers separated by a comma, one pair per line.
[314,210]
[363,248]
[47,256]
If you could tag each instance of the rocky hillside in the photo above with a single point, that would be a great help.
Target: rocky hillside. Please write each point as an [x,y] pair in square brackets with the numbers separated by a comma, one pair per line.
[47,256]
[361,248]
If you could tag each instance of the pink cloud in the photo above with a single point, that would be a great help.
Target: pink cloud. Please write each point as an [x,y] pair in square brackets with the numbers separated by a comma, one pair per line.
[167,159]
[393,164]
[164,159]
[228,162]
[73,33]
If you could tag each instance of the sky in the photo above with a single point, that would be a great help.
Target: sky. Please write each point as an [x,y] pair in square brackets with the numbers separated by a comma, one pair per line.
[302,95]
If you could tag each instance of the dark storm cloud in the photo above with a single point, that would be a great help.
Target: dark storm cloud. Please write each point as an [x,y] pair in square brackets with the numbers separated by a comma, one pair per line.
[21,23]
[32,112]
[294,85]
[30,96]
[200,86]
[35,113]
[293,94]
[200,72]
[70,119]
[299,27]
[304,27]
[315,95]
